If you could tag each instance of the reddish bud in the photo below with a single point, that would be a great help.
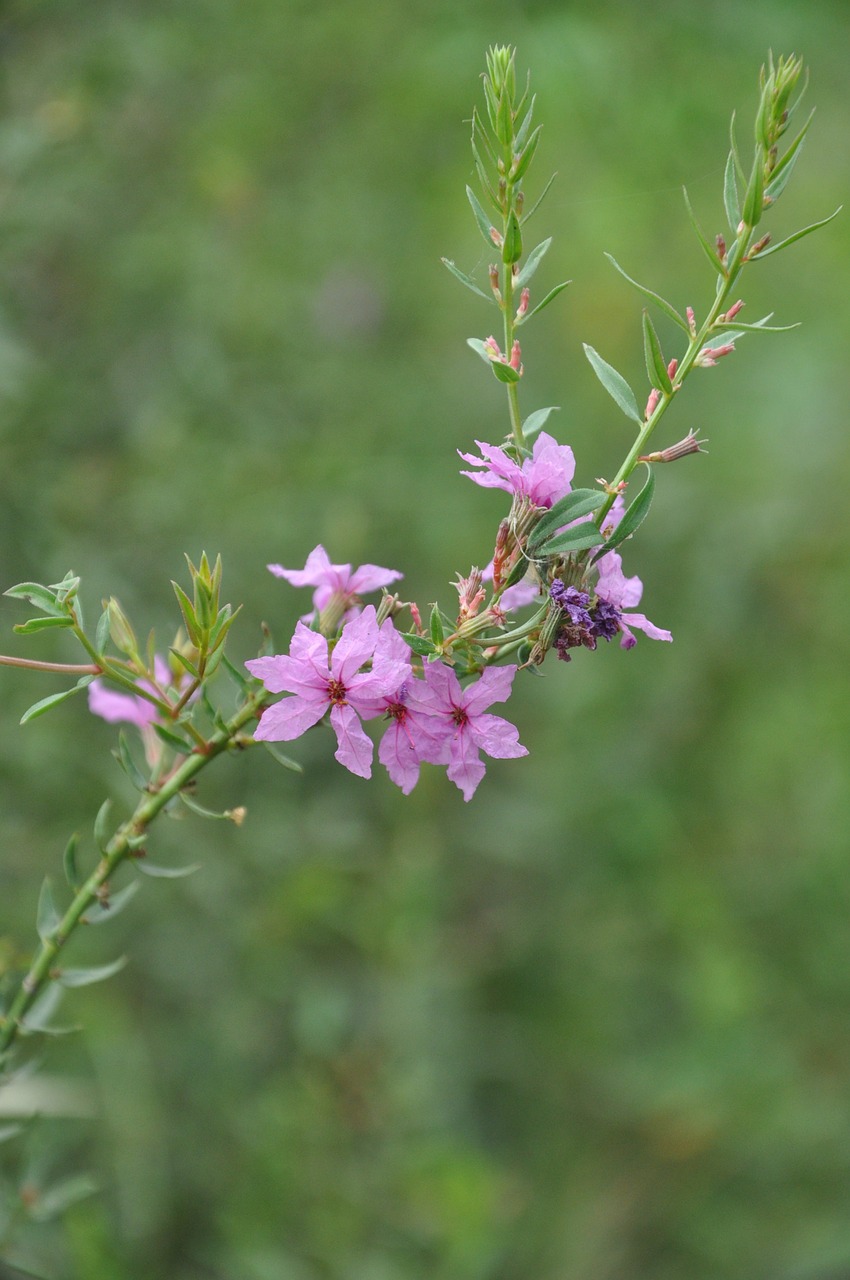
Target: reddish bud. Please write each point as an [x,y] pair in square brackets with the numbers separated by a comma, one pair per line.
[652,402]
[516,357]
[721,248]
[523,304]
[692,324]
[671,368]
[496,237]
[733,311]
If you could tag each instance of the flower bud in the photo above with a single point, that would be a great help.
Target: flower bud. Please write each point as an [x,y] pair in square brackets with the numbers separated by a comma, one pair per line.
[690,444]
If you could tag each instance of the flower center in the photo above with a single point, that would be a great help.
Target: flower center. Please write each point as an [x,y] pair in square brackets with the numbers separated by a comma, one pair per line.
[336,692]
[397,711]
[460,717]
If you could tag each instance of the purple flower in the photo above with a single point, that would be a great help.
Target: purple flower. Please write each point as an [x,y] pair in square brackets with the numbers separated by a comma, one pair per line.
[543,478]
[127,708]
[413,735]
[573,602]
[335,579]
[620,593]
[319,682]
[462,722]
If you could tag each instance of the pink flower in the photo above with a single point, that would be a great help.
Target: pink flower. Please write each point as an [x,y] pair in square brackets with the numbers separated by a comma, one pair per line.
[413,735]
[544,478]
[622,593]
[128,708]
[319,681]
[462,723]
[335,579]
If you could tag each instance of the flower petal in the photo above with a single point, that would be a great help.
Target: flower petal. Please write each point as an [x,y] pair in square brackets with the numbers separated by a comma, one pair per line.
[497,737]
[643,624]
[466,769]
[289,718]
[355,750]
[493,685]
[355,646]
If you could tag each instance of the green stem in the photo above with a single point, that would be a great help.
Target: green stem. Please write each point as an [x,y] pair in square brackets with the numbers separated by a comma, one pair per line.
[122,846]
[64,668]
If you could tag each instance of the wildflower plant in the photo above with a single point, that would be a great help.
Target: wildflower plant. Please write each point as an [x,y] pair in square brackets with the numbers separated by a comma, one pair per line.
[555,581]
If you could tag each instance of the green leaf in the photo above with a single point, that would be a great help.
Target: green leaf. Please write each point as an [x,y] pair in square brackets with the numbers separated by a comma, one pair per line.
[783,168]
[172,739]
[798,235]
[69,862]
[484,224]
[527,155]
[234,673]
[758,326]
[436,627]
[102,633]
[189,616]
[124,756]
[504,372]
[8,1131]
[34,593]
[101,826]
[653,297]
[656,368]
[39,708]
[581,538]
[522,131]
[512,244]
[614,383]
[478,347]
[41,624]
[550,297]
[38,1018]
[98,913]
[538,202]
[155,871]
[47,916]
[418,644]
[730,194]
[580,502]
[532,262]
[287,763]
[465,279]
[86,977]
[199,809]
[535,421]
[634,516]
[57,1199]
[709,249]
[754,199]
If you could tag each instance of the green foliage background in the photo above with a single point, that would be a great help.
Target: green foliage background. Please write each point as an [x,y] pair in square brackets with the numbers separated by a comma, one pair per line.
[595,1024]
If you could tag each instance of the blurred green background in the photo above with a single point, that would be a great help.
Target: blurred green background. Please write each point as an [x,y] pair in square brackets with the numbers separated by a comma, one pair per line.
[596,1024]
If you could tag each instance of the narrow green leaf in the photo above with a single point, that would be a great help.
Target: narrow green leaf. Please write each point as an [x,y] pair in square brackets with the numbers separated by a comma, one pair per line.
[199,809]
[783,167]
[504,120]
[484,224]
[522,131]
[86,977]
[538,202]
[69,862]
[189,615]
[234,673]
[550,297]
[581,538]
[38,1018]
[124,757]
[798,235]
[436,627]
[185,663]
[34,593]
[287,763]
[419,644]
[102,633]
[730,194]
[708,248]
[465,279]
[39,708]
[512,244]
[527,155]
[172,739]
[758,326]
[42,624]
[532,262]
[535,421]
[98,913]
[653,297]
[754,199]
[656,368]
[480,350]
[47,917]
[580,502]
[101,825]
[504,372]
[155,871]
[56,1200]
[614,383]
[634,516]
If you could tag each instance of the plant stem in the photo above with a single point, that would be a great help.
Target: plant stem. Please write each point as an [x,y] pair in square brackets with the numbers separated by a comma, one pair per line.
[65,668]
[124,844]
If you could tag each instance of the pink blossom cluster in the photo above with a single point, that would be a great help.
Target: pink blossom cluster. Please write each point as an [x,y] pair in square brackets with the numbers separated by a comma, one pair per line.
[368,673]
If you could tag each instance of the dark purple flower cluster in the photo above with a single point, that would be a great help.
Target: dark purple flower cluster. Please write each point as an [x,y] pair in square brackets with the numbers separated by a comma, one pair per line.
[582,625]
